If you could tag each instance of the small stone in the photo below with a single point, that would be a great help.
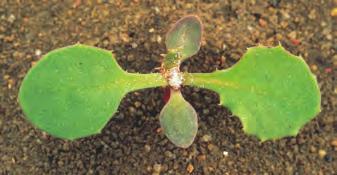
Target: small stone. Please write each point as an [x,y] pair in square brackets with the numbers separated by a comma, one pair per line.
[125,38]
[157,168]
[10,83]
[159,130]
[147,148]
[201,157]
[328,70]
[132,109]
[334,142]
[225,153]
[137,104]
[38,52]
[190,168]
[159,39]
[295,42]
[262,22]
[250,28]
[210,147]
[60,163]
[322,153]
[105,42]
[334,12]
[314,67]
[206,138]
[292,35]
[11,18]
[156,9]
[224,47]
[312,149]
[151,30]
[134,45]
[6,77]
[168,154]
[312,14]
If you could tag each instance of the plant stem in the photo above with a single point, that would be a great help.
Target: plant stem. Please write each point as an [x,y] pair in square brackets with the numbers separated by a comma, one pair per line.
[142,81]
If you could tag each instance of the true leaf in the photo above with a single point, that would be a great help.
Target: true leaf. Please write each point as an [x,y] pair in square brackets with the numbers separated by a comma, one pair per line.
[184,37]
[179,120]
[272,92]
[73,91]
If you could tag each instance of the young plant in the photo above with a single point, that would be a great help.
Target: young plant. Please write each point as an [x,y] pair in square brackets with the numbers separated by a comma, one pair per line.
[72,92]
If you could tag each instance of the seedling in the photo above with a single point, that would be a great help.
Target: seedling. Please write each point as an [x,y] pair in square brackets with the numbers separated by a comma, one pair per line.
[72,92]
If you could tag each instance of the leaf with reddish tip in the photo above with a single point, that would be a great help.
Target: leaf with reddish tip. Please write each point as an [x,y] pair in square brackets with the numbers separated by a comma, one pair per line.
[179,120]
[184,37]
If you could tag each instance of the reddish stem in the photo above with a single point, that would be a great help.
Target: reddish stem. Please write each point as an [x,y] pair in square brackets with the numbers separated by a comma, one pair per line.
[167,94]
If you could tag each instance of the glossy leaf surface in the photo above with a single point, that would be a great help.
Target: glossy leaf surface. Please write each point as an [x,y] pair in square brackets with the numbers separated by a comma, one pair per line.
[72,92]
[179,120]
[272,92]
[184,37]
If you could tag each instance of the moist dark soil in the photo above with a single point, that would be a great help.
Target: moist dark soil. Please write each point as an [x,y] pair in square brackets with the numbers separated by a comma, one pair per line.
[134,30]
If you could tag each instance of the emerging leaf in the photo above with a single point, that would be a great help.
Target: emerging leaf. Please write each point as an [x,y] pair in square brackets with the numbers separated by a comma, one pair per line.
[272,92]
[179,120]
[73,91]
[184,37]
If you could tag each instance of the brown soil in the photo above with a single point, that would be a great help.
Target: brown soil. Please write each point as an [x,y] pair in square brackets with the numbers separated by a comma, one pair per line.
[134,30]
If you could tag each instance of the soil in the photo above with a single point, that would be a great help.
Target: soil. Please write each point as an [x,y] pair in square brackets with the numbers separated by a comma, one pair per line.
[134,30]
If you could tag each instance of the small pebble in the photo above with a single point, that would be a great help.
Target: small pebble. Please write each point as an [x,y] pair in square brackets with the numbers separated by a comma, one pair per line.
[225,153]
[312,14]
[38,52]
[159,39]
[147,148]
[328,70]
[137,104]
[156,9]
[314,67]
[201,157]
[312,149]
[262,22]
[132,109]
[206,138]
[224,47]
[134,45]
[321,153]
[11,18]
[292,35]
[334,142]
[168,154]
[295,42]
[190,168]
[159,130]
[157,168]
[334,12]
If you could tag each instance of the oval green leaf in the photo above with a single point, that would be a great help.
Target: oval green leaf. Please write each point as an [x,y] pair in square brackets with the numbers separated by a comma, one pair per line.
[179,120]
[184,37]
[272,91]
[72,92]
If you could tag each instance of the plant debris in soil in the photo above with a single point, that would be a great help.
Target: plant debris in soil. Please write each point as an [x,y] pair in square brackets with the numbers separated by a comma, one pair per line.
[132,142]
